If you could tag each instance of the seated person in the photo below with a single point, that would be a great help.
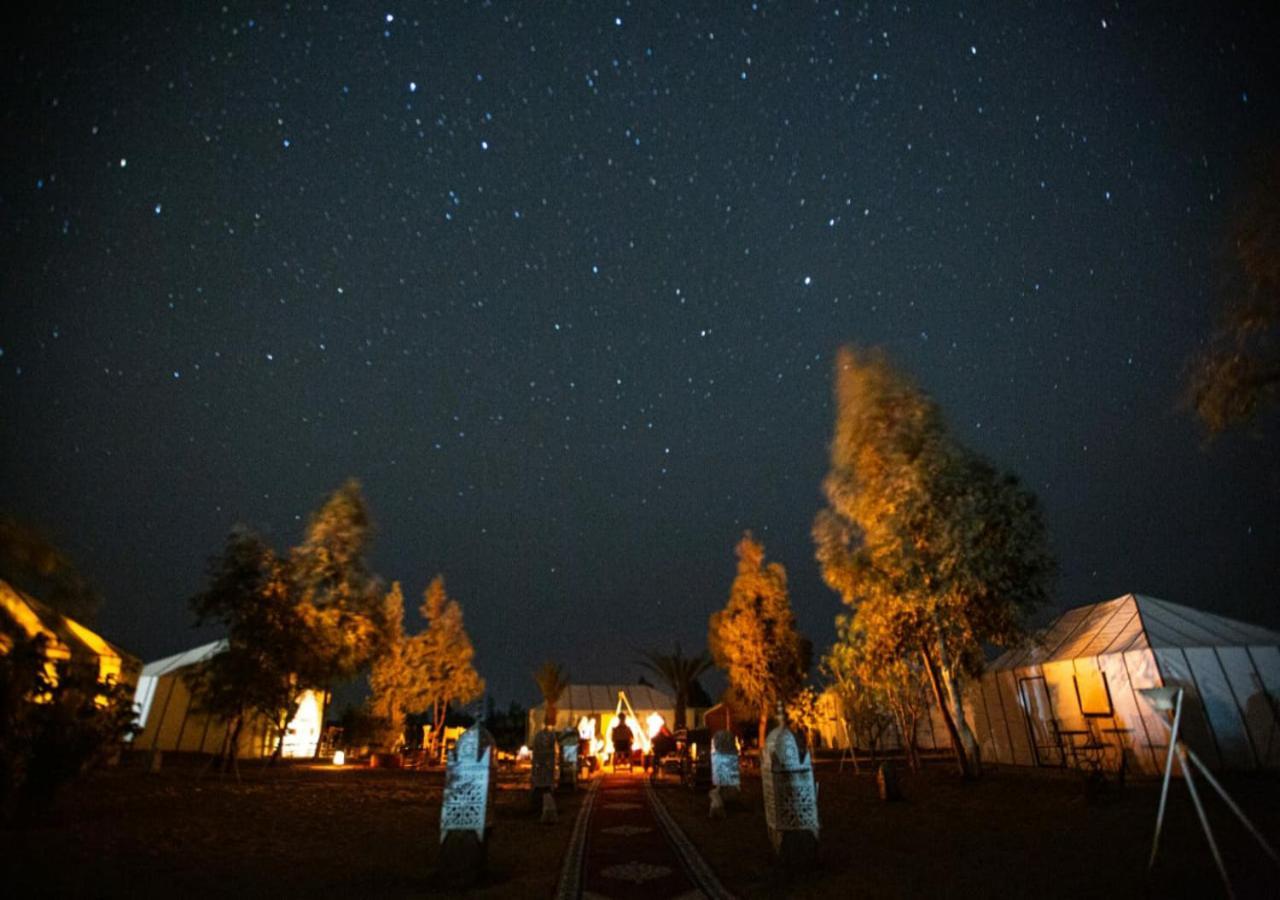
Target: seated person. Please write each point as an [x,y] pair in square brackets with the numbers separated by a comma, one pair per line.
[664,744]
[621,737]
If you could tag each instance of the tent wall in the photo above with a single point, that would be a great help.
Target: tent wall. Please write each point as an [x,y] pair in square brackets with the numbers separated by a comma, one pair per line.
[1263,703]
[173,723]
[1195,730]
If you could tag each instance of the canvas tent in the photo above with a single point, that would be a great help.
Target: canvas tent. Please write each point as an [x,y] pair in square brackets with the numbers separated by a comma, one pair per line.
[23,617]
[1082,674]
[597,704]
[170,719]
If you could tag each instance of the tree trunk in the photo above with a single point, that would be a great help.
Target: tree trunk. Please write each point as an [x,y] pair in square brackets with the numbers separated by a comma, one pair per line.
[764,731]
[956,695]
[231,746]
[913,752]
[682,710]
[951,680]
[935,681]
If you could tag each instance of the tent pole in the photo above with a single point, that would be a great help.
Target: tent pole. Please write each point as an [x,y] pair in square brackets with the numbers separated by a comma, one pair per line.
[1204,823]
[1234,808]
[1168,774]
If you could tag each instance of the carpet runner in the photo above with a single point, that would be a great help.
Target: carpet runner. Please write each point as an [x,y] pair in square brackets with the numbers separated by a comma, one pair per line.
[629,848]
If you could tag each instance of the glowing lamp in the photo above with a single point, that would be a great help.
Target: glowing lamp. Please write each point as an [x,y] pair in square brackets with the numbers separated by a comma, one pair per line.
[524,752]
[339,758]
[693,751]
[655,723]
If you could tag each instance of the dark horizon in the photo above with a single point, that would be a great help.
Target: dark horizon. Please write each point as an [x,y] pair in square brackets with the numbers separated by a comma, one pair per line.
[563,293]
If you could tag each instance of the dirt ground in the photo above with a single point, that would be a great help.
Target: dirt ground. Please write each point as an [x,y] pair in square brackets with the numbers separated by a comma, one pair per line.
[298,831]
[1014,833]
[320,832]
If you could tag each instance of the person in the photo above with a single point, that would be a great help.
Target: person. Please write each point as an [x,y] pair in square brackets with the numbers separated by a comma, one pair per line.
[621,737]
[664,742]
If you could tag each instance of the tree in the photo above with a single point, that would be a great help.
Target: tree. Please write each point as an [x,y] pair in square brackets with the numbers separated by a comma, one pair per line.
[390,675]
[439,660]
[339,599]
[30,561]
[754,638]
[680,672]
[249,593]
[878,686]
[1238,372]
[58,721]
[552,680]
[803,712]
[935,551]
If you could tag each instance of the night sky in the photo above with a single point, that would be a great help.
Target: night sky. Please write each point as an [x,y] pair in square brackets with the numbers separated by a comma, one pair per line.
[561,285]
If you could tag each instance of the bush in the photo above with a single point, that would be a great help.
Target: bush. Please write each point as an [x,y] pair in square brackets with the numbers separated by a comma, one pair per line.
[57,723]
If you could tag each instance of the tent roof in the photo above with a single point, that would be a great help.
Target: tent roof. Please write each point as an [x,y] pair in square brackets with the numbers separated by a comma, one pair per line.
[184,659]
[1133,622]
[67,637]
[605,696]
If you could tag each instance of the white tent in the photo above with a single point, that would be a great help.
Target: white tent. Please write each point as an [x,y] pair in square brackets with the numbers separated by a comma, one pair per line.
[597,703]
[170,719]
[1078,682]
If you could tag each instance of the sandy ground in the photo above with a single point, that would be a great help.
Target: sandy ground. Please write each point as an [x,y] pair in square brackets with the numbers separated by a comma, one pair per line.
[300,831]
[324,832]
[1014,833]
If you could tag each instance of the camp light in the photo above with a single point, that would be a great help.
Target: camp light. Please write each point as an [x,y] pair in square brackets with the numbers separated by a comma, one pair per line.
[339,758]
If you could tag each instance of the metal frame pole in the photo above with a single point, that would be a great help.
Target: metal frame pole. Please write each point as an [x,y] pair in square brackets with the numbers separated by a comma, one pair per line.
[1168,774]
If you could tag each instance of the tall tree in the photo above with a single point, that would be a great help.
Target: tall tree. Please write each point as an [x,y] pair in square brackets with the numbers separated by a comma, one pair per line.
[390,675]
[30,561]
[339,599]
[440,659]
[552,679]
[249,593]
[1238,371]
[936,552]
[680,672]
[754,638]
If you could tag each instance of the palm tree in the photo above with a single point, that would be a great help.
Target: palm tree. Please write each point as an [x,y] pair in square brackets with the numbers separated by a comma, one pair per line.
[679,672]
[552,679]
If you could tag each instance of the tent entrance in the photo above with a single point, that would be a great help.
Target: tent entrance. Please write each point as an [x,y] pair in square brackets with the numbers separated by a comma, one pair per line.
[1042,726]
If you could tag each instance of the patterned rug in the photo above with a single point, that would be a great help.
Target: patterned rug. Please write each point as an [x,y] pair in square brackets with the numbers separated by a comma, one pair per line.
[628,854]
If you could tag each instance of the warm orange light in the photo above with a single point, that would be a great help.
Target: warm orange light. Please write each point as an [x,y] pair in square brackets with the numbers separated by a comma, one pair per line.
[339,758]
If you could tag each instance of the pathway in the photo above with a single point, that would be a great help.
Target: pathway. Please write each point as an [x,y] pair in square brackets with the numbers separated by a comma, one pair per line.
[625,846]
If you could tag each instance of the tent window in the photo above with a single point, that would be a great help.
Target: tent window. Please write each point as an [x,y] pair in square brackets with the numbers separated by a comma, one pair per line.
[1093,693]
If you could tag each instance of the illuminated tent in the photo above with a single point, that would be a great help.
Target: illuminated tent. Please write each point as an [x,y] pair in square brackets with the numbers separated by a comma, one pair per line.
[1078,681]
[595,706]
[24,617]
[171,721]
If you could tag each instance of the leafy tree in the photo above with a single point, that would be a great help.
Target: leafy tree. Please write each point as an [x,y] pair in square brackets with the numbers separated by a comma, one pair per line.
[439,660]
[754,638]
[803,712]
[58,721]
[30,561]
[552,679]
[935,551]
[339,599]
[680,673]
[1238,372]
[878,686]
[249,593]
[390,676]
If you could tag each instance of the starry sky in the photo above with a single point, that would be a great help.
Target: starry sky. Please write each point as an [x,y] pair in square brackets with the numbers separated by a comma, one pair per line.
[561,285]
